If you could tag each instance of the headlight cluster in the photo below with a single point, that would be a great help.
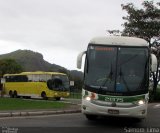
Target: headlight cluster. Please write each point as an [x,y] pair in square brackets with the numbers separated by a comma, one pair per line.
[88,98]
[140,102]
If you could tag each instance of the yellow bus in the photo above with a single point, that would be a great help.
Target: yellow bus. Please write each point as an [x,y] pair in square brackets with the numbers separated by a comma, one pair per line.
[37,84]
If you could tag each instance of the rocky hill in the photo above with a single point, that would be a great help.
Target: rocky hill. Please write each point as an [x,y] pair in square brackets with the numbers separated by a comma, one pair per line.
[33,61]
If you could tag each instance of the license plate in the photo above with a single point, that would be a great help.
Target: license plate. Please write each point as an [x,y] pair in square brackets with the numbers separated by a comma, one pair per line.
[112,111]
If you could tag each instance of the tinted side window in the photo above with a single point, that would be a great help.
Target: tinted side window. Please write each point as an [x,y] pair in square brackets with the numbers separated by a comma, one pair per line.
[17,78]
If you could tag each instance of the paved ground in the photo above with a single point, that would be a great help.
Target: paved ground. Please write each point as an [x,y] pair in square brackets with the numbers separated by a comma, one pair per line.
[77,123]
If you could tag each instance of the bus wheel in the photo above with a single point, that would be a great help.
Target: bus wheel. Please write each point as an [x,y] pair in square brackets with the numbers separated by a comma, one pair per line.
[10,94]
[91,117]
[57,98]
[15,94]
[44,96]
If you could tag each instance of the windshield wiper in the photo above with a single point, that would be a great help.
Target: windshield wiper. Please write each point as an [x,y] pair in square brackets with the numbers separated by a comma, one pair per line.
[108,78]
[124,81]
[122,75]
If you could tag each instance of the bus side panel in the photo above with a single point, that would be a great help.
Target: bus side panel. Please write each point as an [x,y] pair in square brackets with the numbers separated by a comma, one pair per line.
[12,87]
[42,87]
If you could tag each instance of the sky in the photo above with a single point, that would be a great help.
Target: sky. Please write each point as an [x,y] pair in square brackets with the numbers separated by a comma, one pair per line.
[58,29]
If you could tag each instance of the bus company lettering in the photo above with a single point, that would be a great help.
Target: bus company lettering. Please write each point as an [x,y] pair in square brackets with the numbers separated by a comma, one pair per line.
[114,99]
[104,49]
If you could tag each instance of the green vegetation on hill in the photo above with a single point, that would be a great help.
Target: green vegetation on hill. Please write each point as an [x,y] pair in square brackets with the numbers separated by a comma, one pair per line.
[9,66]
[31,61]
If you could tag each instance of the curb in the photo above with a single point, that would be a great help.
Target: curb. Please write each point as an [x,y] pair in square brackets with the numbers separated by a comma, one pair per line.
[37,113]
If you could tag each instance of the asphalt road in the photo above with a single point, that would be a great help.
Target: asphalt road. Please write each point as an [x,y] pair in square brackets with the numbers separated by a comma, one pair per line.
[66,123]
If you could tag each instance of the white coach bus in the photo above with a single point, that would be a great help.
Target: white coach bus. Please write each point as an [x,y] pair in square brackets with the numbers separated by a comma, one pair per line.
[116,77]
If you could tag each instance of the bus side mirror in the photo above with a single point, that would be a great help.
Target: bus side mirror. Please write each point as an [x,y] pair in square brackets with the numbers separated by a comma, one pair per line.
[153,63]
[79,59]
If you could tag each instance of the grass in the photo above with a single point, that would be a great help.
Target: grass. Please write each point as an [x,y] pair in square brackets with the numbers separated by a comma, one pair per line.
[20,104]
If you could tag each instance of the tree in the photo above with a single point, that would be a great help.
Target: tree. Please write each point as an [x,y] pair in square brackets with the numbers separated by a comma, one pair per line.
[9,66]
[145,23]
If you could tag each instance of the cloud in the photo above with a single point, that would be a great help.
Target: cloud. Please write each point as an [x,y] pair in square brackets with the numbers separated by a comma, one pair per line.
[59,29]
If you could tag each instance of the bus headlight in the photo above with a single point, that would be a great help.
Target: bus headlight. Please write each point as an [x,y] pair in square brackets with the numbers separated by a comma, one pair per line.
[88,98]
[141,102]
[91,97]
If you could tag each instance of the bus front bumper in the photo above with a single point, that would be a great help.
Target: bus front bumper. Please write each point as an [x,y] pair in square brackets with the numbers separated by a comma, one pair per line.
[139,111]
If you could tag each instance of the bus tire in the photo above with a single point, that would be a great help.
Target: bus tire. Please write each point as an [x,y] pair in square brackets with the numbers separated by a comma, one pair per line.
[44,96]
[15,94]
[10,94]
[58,98]
[91,117]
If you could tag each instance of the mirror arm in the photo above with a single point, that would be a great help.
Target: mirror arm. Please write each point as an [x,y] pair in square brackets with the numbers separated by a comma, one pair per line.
[79,59]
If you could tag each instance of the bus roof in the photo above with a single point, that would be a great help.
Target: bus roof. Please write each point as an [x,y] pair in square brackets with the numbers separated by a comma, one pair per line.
[36,72]
[119,41]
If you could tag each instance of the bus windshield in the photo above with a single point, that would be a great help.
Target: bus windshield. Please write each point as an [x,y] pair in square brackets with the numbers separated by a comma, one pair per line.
[58,83]
[63,78]
[116,70]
